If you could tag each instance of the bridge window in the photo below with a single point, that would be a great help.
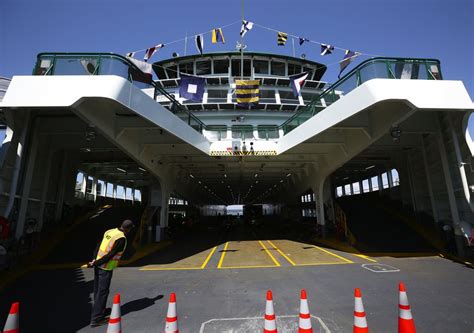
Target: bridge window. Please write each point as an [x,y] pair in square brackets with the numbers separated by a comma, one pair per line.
[109,192]
[356,188]
[288,97]
[203,67]
[221,66]
[267,96]
[186,67]
[268,132]
[215,133]
[100,188]
[216,95]
[236,67]
[278,68]
[128,193]
[138,195]
[242,132]
[260,66]
[294,69]
[172,72]
[120,192]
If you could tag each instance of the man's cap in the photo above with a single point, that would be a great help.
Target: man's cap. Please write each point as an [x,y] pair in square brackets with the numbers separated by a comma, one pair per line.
[127,224]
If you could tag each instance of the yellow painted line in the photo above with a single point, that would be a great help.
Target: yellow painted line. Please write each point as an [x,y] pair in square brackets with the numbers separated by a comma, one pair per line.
[268,252]
[333,254]
[168,268]
[208,257]
[261,266]
[324,263]
[281,253]
[365,257]
[222,255]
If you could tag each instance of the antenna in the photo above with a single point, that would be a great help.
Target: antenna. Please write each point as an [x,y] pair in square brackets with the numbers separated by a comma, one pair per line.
[242,43]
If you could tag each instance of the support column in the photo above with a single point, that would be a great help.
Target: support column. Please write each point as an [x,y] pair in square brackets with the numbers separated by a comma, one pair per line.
[61,188]
[434,208]
[45,188]
[27,179]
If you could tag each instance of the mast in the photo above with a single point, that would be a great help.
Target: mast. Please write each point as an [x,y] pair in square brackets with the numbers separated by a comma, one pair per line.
[242,45]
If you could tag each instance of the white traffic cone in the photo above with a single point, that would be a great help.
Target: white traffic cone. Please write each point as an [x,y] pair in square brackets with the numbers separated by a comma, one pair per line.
[304,325]
[115,320]
[172,316]
[360,321]
[13,320]
[270,320]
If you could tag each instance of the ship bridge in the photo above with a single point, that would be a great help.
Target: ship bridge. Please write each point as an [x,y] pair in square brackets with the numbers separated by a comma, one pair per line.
[89,113]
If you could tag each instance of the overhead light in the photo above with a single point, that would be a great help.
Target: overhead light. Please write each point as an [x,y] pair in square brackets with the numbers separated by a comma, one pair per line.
[121,170]
[225,175]
[199,181]
[190,175]
[256,182]
[370,167]
[139,168]
[345,178]
[256,175]
[288,175]
[281,181]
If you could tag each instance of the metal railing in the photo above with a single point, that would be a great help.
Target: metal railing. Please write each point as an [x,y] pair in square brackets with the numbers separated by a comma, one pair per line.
[375,68]
[107,64]
[114,64]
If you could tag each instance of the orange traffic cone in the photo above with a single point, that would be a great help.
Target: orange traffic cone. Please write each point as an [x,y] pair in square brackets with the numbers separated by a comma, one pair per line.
[304,325]
[13,320]
[115,321]
[172,316]
[360,321]
[270,320]
[406,324]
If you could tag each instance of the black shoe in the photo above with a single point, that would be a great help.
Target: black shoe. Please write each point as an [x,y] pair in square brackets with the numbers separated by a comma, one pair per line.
[100,322]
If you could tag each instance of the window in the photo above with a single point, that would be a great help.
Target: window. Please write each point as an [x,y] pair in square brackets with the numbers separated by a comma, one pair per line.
[101,188]
[221,66]
[310,72]
[365,186]
[308,97]
[268,132]
[278,68]
[356,188]
[186,67]
[120,192]
[242,132]
[385,180]
[347,189]
[294,69]
[339,191]
[267,96]
[128,193]
[216,95]
[260,66]
[288,97]
[138,195]
[172,72]
[79,180]
[160,72]
[215,133]
[203,67]
[110,190]
[395,177]
[236,67]
[375,183]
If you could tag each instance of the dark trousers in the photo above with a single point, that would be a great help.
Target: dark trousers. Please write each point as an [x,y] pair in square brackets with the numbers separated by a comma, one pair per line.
[102,279]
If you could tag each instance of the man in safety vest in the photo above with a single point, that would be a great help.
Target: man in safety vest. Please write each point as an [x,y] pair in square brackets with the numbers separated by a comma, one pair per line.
[107,256]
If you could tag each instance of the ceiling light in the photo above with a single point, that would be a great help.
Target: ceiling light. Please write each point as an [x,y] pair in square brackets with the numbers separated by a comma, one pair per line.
[281,181]
[225,175]
[370,167]
[256,175]
[288,175]
[199,181]
[121,170]
[345,178]
[139,168]
[190,175]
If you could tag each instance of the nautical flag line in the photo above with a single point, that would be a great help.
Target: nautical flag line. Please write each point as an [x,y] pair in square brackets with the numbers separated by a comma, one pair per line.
[297,82]
[217,36]
[246,26]
[350,55]
[282,37]
[326,49]
[151,51]
[199,40]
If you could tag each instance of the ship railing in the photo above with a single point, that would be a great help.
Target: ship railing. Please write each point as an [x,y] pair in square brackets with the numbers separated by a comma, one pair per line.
[109,64]
[375,68]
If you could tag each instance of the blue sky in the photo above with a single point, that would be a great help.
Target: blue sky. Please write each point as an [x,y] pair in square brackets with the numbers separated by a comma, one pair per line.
[439,29]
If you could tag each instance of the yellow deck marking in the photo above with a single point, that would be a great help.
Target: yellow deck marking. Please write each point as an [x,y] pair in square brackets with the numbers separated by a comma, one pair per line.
[222,255]
[281,253]
[333,254]
[268,252]
[168,268]
[208,257]
[365,257]
[260,266]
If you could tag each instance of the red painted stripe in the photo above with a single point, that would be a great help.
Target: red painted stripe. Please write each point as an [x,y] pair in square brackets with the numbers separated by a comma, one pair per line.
[305,315]
[404,307]
[171,320]
[359,314]
[270,317]
[305,330]
[114,320]
[268,331]
[15,330]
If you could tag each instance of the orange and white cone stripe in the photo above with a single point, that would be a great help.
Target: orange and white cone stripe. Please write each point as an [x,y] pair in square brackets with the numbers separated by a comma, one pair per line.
[360,321]
[171,316]
[304,325]
[270,319]
[406,324]
[13,320]
[115,320]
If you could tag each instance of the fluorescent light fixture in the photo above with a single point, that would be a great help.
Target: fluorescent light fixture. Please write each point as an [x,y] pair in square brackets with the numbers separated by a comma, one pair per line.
[370,167]
[199,181]
[256,175]
[121,170]
[345,178]
[190,175]
[225,175]
[288,175]
[281,181]
[139,168]
[256,182]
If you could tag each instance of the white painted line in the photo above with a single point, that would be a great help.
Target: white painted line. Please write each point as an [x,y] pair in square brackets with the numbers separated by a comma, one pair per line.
[380,268]
[324,328]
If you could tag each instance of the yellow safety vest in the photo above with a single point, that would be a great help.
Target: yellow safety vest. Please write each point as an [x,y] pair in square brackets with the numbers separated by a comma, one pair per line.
[106,246]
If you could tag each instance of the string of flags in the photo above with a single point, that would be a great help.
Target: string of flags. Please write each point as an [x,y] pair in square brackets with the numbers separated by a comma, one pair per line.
[217,36]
